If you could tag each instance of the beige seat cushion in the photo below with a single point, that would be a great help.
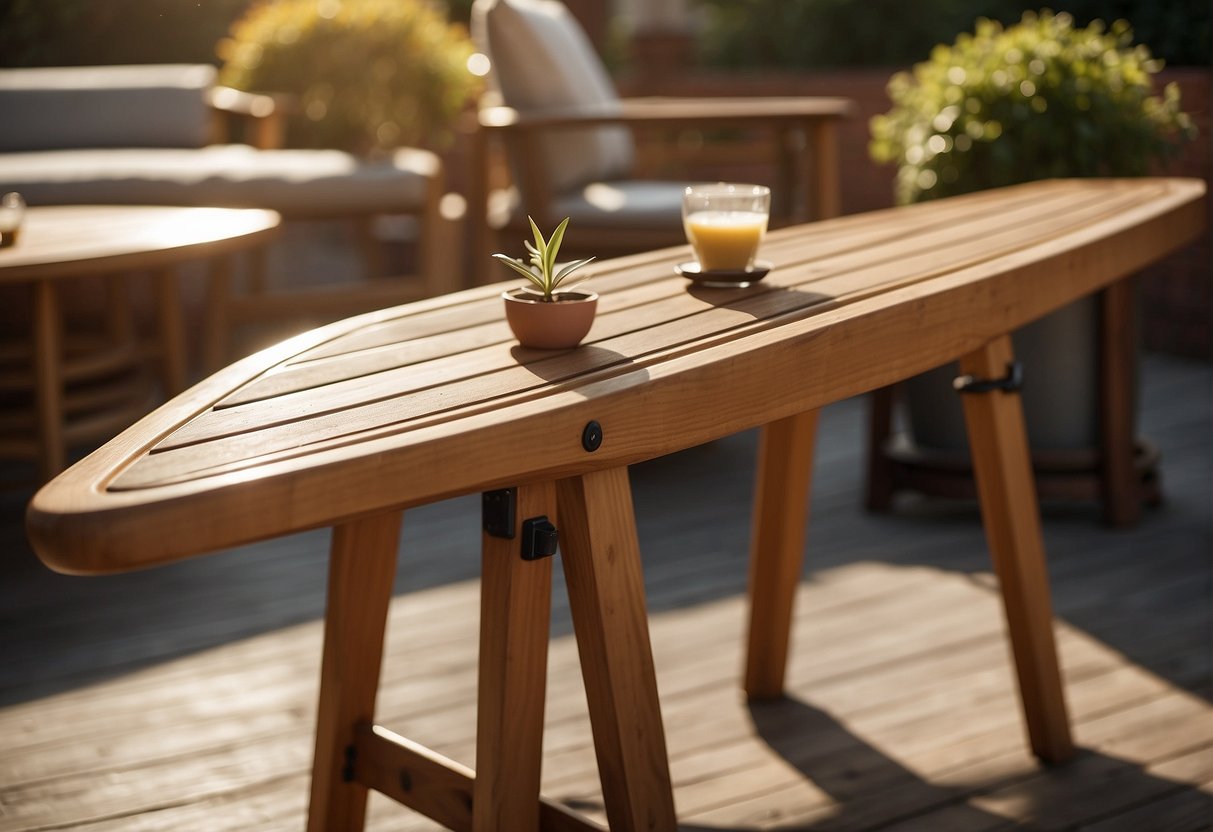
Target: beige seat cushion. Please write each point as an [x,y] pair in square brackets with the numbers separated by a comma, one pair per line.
[624,204]
[297,183]
[162,105]
[542,60]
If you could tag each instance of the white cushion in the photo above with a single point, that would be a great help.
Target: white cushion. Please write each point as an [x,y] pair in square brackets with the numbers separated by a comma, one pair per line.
[541,60]
[297,183]
[631,203]
[162,105]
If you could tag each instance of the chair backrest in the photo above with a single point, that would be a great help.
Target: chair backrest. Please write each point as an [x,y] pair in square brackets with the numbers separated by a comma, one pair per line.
[54,108]
[541,59]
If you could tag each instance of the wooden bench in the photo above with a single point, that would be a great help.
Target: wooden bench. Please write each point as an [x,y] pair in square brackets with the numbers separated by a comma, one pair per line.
[349,424]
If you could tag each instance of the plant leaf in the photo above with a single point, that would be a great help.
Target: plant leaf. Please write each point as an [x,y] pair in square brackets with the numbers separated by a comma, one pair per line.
[521,268]
[553,247]
[574,284]
[541,244]
[570,268]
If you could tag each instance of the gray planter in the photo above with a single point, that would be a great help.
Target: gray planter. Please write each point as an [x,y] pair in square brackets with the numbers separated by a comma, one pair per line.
[1060,356]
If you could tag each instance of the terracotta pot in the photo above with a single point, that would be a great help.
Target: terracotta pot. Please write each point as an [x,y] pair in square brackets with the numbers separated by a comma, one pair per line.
[556,325]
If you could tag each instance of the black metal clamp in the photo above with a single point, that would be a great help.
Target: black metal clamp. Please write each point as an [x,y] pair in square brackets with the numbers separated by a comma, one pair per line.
[1010,383]
[499,511]
[539,538]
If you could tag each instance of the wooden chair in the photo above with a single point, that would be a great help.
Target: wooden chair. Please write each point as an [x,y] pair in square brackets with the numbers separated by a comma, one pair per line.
[161,134]
[566,136]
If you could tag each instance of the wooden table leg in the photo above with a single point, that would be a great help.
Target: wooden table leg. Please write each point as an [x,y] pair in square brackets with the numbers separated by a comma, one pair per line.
[171,331]
[362,565]
[48,379]
[515,613]
[1003,472]
[606,596]
[781,497]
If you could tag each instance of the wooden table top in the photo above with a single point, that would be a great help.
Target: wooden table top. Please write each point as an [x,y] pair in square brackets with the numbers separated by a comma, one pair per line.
[416,403]
[70,240]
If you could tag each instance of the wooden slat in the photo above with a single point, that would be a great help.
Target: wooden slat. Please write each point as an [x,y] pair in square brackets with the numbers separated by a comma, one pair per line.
[851,271]
[679,319]
[641,283]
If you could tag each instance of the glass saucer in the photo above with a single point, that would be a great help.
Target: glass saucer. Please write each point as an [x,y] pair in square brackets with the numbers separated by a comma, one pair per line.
[723,278]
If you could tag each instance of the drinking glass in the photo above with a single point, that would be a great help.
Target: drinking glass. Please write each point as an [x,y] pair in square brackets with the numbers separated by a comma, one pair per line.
[725,223]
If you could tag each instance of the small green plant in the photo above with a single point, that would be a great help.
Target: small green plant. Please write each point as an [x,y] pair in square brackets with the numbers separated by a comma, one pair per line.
[1036,100]
[541,270]
[366,75]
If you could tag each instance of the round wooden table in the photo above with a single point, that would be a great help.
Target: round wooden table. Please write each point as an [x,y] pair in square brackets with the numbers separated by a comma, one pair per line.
[102,241]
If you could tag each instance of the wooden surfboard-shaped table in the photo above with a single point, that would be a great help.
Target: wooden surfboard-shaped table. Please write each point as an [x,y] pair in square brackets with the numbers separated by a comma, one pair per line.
[350,424]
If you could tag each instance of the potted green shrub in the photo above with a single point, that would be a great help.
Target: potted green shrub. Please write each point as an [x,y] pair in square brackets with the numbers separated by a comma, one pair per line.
[364,75]
[1036,100]
[545,313]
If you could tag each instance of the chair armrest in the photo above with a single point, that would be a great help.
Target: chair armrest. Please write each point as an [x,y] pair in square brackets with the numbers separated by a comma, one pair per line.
[813,117]
[672,112]
[266,117]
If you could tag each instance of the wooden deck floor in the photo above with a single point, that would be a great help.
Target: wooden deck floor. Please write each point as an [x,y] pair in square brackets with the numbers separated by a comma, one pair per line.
[182,698]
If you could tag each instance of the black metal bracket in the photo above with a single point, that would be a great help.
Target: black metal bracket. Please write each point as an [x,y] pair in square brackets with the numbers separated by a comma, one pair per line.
[1010,383]
[539,538]
[497,512]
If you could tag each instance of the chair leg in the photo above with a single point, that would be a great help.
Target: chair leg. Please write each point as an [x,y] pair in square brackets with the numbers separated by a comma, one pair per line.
[215,335]
[48,379]
[362,565]
[606,595]
[371,247]
[171,330]
[785,471]
[515,612]
[1003,472]
[879,496]
[1120,484]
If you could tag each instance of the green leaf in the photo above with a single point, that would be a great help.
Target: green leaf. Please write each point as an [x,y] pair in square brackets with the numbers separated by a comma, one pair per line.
[569,269]
[554,246]
[521,268]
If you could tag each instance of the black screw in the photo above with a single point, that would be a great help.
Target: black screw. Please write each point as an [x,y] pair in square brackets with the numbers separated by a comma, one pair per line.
[406,781]
[591,437]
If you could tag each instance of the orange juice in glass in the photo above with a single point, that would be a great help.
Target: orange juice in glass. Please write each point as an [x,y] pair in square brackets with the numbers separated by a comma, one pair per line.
[725,224]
